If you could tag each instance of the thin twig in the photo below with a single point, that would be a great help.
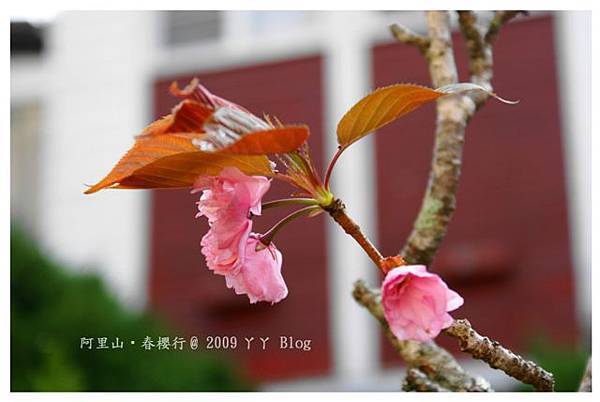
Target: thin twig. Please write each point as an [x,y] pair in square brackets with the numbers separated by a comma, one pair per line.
[468,24]
[480,55]
[500,19]
[429,358]
[499,357]
[337,211]
[409,37]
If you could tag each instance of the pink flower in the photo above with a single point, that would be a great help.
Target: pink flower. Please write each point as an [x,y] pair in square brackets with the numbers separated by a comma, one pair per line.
[230,249]
[224,244]
[260,275]
[416,303]
[230,195]
[227,200]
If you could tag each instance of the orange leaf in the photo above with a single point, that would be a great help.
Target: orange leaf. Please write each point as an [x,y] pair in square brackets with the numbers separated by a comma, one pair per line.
[187,117]
[385,105]
[274,141]
[168,161]
[164,155]
[183,169]
[146,150]
[381,107]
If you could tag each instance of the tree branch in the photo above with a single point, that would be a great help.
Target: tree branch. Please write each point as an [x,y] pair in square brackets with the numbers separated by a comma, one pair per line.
[453,115]
[432,366]
[480,55]
[498,357]
[416,380]
[436,363]
[439,201]
[500,19]
[409,37]
[586,380]
[337,210]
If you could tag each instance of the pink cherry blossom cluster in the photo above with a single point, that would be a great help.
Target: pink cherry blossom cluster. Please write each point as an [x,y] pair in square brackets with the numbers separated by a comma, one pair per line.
[221,149]
[230,247]
[416,302]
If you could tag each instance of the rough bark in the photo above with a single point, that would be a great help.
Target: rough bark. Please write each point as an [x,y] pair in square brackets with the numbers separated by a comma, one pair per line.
[453,115]
[439,201]
[499,357]
[416,380]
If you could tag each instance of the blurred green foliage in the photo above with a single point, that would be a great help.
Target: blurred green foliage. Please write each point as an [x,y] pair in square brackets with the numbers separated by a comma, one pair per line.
[51,310]
[567,363]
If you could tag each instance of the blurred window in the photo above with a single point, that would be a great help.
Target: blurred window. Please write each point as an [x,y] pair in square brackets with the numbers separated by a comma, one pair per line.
[185,27]
[24,168]
[25,38]
[272,22]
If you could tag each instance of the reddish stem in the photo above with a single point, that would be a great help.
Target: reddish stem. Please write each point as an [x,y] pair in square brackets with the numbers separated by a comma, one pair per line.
[270,234]
[339,151]
[288,201]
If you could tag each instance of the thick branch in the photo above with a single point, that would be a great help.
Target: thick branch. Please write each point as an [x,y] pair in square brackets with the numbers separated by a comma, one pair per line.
[416,380]
[452,115]
[498,357]
[433,361]
[409,37]
[586,380]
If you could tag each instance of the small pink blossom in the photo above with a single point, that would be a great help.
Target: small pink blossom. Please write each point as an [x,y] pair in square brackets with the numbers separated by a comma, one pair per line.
[260,274]
[416,303]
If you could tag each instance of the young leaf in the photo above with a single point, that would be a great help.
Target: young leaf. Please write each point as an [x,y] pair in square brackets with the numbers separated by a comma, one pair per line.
[145,150]
[156,161]
[183,169]
[463,87]
[274,141]
[381,107]
[187,117]
[385,105]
